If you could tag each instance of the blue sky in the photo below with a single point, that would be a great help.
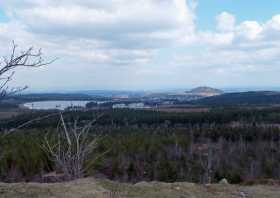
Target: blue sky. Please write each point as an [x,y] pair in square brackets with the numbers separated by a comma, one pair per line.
[259,10]
[146,44]
[2,15]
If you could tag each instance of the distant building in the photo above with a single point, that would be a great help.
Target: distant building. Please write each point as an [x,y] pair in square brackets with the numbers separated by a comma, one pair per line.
[119,106]
[75,108]
[139,105]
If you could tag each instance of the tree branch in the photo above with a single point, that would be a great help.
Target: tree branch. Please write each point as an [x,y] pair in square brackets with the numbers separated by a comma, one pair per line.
[27,58]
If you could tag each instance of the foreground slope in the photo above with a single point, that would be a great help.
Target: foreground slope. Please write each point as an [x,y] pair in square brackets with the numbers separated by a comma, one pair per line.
[92,188]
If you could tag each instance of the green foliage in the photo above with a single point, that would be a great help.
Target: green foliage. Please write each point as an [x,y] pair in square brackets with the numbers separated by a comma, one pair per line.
[22,156]
[142,146]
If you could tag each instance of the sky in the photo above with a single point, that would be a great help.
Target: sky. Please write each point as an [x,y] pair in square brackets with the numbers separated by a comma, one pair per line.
[256,10]
[145,44]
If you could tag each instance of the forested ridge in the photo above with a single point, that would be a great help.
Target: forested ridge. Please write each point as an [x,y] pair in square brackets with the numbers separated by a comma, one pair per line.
[250,98]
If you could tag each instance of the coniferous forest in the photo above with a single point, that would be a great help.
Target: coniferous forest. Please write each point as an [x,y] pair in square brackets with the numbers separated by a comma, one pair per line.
[239,144]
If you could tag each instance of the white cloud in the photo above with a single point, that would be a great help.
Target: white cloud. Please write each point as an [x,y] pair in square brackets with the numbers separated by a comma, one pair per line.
[146,41]
[115,23]
[249,30]
[90,35]
[225,22]
[248,52]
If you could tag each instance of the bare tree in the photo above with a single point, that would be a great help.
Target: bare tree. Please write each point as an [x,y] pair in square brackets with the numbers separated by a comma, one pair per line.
[206,162]
[71,147]
[26,58]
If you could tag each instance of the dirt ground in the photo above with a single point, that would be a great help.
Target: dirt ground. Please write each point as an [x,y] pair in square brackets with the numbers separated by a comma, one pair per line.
[91,188]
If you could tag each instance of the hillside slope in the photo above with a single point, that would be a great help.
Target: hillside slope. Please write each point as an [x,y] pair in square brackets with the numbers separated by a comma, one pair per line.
[242,98]
[105,189]
[204,91]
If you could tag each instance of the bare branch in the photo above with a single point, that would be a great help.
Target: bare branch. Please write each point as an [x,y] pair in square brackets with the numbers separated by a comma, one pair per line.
[27,58]
[30,122]
[72,147]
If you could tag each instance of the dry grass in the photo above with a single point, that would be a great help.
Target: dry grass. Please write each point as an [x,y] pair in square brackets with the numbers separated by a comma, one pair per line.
[91,188]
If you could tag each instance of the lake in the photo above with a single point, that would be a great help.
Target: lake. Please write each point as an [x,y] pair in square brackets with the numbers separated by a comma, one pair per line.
[59,105]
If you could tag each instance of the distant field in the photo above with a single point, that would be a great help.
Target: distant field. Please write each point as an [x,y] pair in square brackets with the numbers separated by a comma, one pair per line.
[182,110]
[185,108]
[8,114]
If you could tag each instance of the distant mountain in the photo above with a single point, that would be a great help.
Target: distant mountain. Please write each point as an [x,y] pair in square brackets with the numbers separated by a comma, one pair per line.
[204,92]
[242,98]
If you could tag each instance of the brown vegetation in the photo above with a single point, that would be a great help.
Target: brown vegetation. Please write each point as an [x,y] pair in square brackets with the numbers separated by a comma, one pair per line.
[106,189]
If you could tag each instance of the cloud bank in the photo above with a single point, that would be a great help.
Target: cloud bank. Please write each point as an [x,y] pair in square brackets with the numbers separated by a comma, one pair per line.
[138,44]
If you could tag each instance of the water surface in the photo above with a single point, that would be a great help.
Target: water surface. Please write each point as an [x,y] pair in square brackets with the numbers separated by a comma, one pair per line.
[59,105]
